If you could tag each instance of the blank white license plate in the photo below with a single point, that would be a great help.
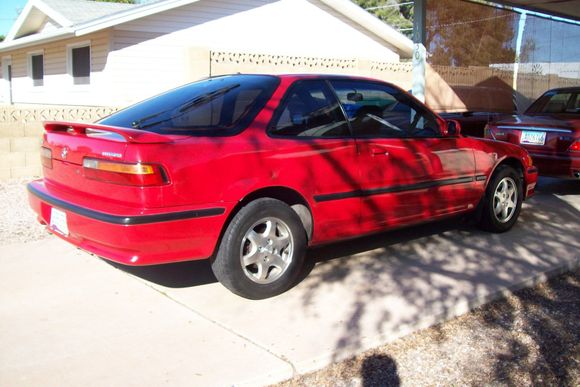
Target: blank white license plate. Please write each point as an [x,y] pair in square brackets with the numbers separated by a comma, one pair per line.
[533,137]
[58,221]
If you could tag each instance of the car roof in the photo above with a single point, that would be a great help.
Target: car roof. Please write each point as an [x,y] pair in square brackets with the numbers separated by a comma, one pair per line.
[565,89]
[324,76]
[305,76]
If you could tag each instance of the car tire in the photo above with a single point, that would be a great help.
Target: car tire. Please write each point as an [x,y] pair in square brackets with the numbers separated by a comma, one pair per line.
[503,200]
[262,250]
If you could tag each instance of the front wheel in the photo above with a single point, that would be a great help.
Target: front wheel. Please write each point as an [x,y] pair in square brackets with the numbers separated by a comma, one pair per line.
[262,250]
[502,201]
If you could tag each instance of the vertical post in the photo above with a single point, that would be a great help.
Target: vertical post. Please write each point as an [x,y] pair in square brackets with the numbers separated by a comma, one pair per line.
[521,27]
[419,51]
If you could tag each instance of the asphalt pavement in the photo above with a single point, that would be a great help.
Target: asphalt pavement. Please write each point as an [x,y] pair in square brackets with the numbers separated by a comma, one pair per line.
[68,318]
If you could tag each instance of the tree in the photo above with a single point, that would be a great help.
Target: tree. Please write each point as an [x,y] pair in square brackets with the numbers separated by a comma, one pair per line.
[391,12]
[2,37]
[465,34]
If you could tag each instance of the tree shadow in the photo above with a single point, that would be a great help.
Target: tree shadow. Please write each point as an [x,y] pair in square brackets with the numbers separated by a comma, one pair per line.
[399,281]
[547,318]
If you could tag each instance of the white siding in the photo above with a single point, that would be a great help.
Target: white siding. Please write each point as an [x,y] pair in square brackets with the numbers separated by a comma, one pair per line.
[298,27]
[149,55]
[58,84]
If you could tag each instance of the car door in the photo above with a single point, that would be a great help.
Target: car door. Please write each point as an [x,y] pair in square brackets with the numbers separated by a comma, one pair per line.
[409,171]
[316,153]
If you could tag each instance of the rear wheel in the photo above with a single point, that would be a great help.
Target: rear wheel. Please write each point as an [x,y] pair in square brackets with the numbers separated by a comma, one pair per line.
[502,201]
[262,250]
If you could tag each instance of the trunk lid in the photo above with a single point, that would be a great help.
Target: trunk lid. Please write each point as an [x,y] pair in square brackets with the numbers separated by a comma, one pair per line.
[70,143]
[538,134]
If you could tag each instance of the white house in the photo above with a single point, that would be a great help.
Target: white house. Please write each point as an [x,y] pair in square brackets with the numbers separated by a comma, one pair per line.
[80,52]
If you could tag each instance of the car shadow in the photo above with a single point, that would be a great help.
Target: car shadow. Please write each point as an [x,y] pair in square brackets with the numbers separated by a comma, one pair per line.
[336,250]
[173,275]
[196,273]
[552,185]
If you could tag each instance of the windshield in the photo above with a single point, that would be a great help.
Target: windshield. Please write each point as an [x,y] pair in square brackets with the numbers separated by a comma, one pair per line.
[215,106]
[556,102]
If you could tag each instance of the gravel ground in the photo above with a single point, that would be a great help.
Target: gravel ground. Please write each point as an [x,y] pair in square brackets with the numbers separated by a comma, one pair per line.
[529,338]
[17,221]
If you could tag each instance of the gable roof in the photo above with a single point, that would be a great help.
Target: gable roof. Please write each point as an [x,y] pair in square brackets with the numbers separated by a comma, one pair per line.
[61,13]
[80,11]
[80,17]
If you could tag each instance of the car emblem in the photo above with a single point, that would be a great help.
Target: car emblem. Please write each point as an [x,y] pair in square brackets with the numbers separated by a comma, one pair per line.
[64,152]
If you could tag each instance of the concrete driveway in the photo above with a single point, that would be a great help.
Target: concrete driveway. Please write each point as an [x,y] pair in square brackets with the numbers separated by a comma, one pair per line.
[68,318]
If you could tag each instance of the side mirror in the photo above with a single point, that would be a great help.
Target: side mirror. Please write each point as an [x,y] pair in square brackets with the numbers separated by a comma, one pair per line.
[354,97]
[453,128]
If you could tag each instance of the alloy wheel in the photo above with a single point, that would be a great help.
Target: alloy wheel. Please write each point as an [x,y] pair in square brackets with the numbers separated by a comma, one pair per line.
[266,250]
[505,199]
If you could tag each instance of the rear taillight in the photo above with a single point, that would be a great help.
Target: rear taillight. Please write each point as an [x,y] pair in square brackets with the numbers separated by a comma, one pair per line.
[46,157]
[575,147]
[123,173]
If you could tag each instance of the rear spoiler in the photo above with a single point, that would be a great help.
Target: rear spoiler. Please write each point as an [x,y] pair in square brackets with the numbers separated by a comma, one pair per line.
[114,133]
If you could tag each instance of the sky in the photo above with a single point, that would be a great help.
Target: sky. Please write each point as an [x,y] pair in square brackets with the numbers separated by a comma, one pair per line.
[8,13]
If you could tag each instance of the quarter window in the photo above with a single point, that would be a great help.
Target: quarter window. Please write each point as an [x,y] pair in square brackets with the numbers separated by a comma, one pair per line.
[81,65]
[310,110]
[376,110]
[37,69]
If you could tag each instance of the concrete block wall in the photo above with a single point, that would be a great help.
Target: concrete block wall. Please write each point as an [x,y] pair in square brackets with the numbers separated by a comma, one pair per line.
[21,134]
[19,149]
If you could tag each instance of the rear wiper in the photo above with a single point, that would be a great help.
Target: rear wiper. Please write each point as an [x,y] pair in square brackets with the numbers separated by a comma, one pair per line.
[183,108]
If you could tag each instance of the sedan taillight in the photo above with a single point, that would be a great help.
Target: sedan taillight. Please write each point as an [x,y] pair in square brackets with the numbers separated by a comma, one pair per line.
[575,147]
[137,174]
[46,157]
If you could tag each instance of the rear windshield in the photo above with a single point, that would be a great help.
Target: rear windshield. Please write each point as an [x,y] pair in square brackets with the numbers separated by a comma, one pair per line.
[216,106]
[557,102]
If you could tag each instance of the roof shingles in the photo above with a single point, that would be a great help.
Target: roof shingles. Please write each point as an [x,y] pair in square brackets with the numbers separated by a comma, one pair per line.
[81,11]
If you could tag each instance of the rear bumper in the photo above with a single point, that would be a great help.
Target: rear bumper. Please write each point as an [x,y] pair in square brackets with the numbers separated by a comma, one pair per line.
[138,237]
[565,166]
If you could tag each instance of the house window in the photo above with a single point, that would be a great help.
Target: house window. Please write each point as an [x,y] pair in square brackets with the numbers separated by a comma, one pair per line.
[81,65]
[37,69]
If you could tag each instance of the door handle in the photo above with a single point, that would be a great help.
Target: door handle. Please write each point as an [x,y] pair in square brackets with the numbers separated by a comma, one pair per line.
[378,151]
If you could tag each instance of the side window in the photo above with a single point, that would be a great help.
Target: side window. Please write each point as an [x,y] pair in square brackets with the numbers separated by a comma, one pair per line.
[309,110]
[575,105]
[376,110]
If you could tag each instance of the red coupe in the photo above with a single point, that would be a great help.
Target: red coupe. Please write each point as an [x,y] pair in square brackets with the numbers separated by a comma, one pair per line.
[549,130]
[250,170]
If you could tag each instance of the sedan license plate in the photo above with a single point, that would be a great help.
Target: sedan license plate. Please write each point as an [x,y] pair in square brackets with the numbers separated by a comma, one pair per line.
[58,221]
[533,137]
